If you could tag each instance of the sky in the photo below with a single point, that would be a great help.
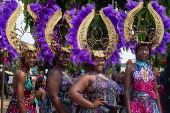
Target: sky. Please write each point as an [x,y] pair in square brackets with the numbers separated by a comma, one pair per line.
[27,37]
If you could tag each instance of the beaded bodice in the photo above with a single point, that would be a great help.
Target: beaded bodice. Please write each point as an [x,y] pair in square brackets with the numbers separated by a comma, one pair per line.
[64,88]
[107,89]
[141,84]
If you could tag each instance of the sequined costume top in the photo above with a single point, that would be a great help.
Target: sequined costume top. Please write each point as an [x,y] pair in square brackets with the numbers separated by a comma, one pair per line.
[65,85]
[63,94]
[143,96]
[13,107]
[105,88]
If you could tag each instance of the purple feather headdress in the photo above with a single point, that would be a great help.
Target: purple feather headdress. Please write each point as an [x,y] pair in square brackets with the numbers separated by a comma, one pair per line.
[43,14]
[6,9]
[83,55]
[161,47]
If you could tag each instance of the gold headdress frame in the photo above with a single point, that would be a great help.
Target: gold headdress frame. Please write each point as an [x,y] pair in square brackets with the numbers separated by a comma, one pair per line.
[33,15]
[82,35]
[68,19]
[159,31]
[54,19]
[10,31]
[50,26]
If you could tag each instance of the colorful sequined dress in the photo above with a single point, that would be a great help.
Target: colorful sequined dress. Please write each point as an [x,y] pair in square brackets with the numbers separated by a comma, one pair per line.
[13,108]
[143,98]
[106,88]
[63,95]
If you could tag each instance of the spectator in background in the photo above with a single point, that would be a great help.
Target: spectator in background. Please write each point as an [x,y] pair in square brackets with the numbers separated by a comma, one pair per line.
[72,73]
[39,93]
[118,77]
[42,75]
[165,81]
[6,79]
[78,73]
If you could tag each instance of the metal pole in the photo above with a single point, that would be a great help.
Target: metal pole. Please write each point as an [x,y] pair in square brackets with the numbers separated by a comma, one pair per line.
[113,3]
[113,67]
[2,91]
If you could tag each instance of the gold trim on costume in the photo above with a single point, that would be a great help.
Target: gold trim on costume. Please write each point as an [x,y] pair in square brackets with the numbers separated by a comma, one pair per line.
[145,75]
[99,53]
[65,49]
[159,31]
[50,26]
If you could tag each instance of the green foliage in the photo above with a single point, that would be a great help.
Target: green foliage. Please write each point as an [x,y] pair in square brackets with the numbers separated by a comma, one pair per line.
[14,66]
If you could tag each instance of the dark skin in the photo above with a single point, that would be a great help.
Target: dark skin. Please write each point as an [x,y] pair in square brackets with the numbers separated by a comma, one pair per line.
[19,80]
[40,93]
[117,77]
[54,80]
[86,84]
[141,55]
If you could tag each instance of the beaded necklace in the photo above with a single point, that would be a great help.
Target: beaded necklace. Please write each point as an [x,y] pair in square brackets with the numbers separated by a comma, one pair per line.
[143,64]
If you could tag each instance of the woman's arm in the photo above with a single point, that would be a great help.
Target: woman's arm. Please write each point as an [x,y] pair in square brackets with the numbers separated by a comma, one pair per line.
[53,88]
[79,87]
[20,77]
[43,94]
[127,85]
[157,94]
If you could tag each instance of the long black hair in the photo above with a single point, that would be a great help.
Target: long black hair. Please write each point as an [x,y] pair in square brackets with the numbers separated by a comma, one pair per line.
[38,82]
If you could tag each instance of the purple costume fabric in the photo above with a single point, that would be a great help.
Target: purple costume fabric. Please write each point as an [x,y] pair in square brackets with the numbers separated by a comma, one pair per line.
[106,89]
[143,96]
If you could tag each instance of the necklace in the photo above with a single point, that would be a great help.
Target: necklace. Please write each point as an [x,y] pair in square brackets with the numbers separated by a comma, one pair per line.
[145,75]
[141,63]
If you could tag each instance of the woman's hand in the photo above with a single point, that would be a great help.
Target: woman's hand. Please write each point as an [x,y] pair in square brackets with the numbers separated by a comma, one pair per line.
[30,100]
[97,101]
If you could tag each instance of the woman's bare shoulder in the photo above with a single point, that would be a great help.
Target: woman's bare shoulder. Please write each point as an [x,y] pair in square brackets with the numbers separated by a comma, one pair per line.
[20,73]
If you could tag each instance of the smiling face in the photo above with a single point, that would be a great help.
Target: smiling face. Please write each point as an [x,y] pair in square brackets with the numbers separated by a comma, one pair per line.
[142,53]
[63,59]
[28,59]
[100,64]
